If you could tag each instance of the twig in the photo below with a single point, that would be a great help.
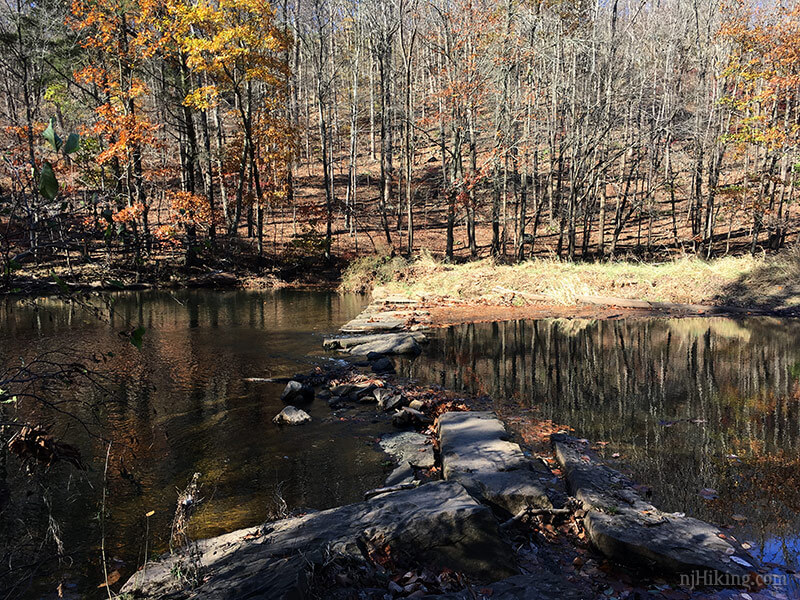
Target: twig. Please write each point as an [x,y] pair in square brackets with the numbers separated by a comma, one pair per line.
[391,488]
[530,512]
[530,296]
[103,523]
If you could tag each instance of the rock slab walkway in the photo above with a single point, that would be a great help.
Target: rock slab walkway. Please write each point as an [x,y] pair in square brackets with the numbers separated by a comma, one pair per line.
[631,531]
[390,313]
[476,452]
[379,343]
[438,524]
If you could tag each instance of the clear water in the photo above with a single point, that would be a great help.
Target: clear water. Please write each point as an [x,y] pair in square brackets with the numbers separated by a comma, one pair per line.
[179,405]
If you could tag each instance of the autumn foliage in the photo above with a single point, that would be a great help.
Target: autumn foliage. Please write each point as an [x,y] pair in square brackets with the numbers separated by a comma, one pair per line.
[510,129]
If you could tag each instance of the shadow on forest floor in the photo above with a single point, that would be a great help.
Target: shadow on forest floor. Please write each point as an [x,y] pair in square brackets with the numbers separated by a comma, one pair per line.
[772,284]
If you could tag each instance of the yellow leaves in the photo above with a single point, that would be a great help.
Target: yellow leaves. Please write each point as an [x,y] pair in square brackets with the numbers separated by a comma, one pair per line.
[202,98]
[230,40]
[763,69]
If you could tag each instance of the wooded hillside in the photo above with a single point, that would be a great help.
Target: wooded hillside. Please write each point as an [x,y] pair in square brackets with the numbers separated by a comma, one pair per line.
[153,131]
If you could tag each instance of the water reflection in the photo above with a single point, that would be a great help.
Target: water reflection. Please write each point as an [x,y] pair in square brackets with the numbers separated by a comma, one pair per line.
[180,405]
[687,403]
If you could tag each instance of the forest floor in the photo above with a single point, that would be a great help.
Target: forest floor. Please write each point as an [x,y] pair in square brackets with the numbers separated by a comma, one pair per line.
[363,259]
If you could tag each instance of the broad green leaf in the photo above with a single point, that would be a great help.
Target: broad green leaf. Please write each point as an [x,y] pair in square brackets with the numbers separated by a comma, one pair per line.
[73,143]
[51,136]
[137,336]
[48,184]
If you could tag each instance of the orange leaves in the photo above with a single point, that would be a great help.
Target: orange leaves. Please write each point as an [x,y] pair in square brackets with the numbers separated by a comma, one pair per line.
[128,214]
[189,209]
[122,35]
[125,131]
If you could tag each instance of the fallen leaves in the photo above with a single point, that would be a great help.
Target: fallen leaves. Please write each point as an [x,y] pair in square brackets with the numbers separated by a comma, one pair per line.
[741,561]
[113,577]
[35,441]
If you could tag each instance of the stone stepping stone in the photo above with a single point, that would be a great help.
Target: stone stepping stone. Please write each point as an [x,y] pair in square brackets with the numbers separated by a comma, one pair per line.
[629,530]
[409,447]
[291,416]
[396,299]
[541,585]
[358,325]
[476,452]
[386,343]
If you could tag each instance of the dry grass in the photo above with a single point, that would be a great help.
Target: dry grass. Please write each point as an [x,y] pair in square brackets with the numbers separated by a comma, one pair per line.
[767,281]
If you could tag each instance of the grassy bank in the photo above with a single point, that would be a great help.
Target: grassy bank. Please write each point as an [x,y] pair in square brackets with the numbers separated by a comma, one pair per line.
[771,282]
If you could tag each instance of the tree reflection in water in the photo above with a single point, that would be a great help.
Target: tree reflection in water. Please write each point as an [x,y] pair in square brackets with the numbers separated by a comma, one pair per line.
[688,404]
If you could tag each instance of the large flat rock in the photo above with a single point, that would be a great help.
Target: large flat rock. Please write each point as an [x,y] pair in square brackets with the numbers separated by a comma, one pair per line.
[629,530]
[438,524]
[396,299]
[381,343]
[409,447]
[363,324]
[476,452]
[542,585]
[379,315]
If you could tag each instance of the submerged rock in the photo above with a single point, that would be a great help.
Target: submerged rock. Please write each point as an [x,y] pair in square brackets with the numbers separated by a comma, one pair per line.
[437,524]
[291,416]
[475,451]
[295,390]
[383,365]
[630,530]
